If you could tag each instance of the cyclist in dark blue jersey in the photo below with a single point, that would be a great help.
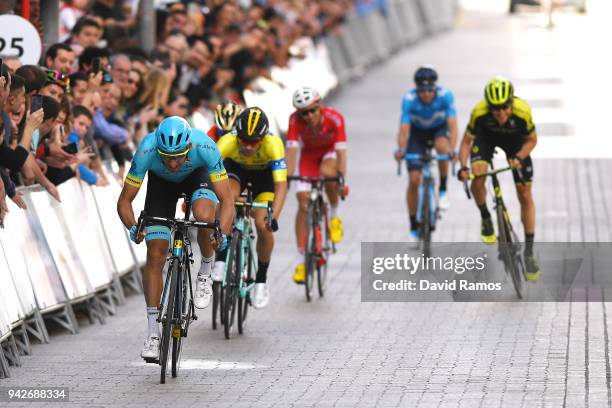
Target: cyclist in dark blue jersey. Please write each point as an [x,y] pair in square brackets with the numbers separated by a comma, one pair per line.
[428,115]
[178,160]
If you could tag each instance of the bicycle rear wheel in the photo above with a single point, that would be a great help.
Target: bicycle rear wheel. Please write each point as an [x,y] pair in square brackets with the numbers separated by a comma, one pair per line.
[508,254]
[325,249]
[167,319]
[311,251]
[215,303]
[230,296]
[243,302]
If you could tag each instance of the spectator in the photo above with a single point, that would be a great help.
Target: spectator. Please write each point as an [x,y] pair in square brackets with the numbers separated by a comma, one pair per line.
[70,12]
[85,33]
[120,70]
[34,77]
[12,62]
[60,57]
[80,136]
[55,85]
[89,54]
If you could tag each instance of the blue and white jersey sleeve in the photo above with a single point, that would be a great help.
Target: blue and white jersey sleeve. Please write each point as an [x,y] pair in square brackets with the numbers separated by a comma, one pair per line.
[449,101]
[407,104]
[142,161]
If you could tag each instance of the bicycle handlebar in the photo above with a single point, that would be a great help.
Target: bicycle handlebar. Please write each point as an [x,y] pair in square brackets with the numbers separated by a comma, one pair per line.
[490,173]
[144,220]
[253,204]
[321,179]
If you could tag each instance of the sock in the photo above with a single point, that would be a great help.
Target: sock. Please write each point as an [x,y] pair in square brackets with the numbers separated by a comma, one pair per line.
[300,253]
[262,272]
[414,225]
[529,244]
[206,265]
[221,255]
[333,211]
[153,326]
[484,211]
[442,183]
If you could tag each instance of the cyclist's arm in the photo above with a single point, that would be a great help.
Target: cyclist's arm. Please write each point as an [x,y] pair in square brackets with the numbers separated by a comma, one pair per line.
[280,193]
[291,159]
[226,201]
[402,137]
[124,205]
[341,154]
[528,145]
[464,148]
[452,127]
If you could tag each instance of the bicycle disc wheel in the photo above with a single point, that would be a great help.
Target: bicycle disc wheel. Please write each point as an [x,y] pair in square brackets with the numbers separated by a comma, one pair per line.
[509,258]
[243,302]
[177,330]
[311,250]
[325,251]
[167,320]
[230,297]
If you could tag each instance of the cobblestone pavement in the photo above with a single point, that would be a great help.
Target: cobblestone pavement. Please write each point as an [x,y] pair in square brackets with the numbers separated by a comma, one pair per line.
[338,351]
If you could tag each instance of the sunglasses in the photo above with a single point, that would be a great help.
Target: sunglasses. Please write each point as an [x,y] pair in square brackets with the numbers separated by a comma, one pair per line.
[249,142]
[167,156]
[499,107]
[306,112]
[425,89]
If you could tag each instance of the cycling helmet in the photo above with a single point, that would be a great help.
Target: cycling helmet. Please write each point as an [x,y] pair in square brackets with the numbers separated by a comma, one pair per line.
[172,136]
[305,96]
[499,91]
[226,115]
[426,75]
[252,124]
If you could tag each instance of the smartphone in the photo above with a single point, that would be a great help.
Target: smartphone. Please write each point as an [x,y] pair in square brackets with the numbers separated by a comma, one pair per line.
[96,65]
[71,148]
[36,103]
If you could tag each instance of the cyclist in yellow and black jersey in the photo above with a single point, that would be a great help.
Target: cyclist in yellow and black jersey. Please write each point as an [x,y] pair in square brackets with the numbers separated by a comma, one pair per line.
[252,154]
[502,120]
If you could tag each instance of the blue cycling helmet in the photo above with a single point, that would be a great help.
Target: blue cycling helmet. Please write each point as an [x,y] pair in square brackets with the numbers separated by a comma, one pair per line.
[172,136]
[426,75]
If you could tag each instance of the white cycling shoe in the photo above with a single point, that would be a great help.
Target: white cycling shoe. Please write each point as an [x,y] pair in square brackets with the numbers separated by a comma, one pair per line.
[150,351]
[261,296]
[443,201]
[218,270]
[203,291]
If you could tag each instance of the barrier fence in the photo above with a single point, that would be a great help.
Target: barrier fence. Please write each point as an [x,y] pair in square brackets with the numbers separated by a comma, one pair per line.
[58,257]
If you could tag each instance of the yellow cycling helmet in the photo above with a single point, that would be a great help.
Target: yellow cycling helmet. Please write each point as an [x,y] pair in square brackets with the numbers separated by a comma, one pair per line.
[499,91]
[226,115]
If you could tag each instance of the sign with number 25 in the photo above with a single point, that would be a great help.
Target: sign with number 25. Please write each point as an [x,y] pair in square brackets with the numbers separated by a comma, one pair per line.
[19,37]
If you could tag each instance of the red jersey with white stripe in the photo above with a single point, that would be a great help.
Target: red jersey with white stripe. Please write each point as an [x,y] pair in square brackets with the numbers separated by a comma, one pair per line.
[329,137]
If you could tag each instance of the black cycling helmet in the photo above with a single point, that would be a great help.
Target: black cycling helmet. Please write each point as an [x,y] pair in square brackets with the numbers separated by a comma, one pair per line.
[252,124]
[426,75]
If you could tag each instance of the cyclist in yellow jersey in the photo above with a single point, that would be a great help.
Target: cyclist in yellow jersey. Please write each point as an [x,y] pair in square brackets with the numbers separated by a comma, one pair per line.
[504,120]
[252,154]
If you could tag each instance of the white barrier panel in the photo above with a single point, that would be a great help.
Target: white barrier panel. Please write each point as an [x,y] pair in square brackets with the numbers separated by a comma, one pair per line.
[138,205]
[411,23]
[106,201]
[15,259]
[24,230]
[82,235]
[5,324]
[75,281]
[373,23]
[9,298]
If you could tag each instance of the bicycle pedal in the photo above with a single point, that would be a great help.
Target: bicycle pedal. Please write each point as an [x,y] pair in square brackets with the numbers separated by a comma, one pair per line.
[151,360]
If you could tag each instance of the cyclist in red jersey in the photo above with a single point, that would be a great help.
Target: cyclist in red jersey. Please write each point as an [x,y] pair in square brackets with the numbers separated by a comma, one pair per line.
[225,119]
[319,131]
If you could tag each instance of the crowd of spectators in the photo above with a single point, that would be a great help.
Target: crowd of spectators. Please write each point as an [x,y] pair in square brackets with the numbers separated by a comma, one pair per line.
[97,93]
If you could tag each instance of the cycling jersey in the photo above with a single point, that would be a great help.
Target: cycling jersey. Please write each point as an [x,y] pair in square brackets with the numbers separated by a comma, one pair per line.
[330,136]
[517,127]
[431,115]
[203,153]
[271,154]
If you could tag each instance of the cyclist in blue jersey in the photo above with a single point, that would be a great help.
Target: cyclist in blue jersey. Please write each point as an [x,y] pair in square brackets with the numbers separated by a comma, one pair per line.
[178,160]
[428,114]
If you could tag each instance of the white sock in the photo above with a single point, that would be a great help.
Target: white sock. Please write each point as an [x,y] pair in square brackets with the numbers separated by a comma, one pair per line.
[153,326]
[206,265]
[334,211]
[300,253]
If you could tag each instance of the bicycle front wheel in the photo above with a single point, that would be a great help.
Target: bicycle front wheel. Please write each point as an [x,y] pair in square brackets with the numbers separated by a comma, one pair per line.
[426,219]
[326,249]
[230,296]
[177,329]
[310,261]
[243,302]
[167,319]
[506,248]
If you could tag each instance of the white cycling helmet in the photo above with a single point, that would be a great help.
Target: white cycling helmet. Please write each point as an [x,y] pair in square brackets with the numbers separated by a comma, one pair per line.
[305,96]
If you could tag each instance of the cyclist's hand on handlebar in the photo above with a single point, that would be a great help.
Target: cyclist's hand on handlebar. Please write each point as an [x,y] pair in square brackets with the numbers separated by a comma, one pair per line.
[220,244]
[463,173]
[515,162]
[137,239]
[399,154]
[343,190]
[272,225]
